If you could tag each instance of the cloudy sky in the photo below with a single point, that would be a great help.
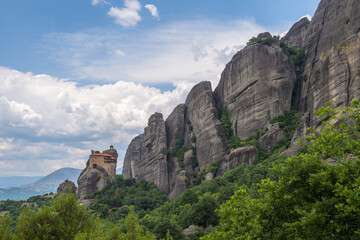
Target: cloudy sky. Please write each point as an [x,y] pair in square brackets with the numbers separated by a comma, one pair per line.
[77,75]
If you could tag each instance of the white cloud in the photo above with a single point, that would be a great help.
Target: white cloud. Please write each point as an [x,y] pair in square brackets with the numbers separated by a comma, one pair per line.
[45,118]
[153,10]
[187,51]
[95,2]
[127,16]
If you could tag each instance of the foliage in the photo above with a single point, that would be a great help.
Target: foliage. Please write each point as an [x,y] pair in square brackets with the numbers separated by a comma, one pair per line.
[179,151]
[63,219]
[288,122]
[312,199]
[266,41]
[121,193]
[6,232]
[295,53]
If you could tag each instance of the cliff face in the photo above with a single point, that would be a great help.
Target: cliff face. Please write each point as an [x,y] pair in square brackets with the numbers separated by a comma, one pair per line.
[259,83]
[256,85]
[332,44]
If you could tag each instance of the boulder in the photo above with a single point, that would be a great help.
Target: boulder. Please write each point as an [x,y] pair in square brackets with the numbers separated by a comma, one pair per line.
[66,187]
[272,137]
[243,155]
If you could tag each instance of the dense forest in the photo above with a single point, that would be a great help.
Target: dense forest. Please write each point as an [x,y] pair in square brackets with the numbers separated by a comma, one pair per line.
[314,195]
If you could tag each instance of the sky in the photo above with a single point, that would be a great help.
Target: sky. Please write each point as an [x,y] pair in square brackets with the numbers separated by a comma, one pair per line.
[81,75]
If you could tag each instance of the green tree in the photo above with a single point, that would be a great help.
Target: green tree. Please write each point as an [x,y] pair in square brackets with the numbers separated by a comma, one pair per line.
[6,232]
[134,229]
[63,219]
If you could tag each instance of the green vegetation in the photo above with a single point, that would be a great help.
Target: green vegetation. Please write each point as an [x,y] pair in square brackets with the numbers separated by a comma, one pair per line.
[266,41]
[114,200]
[98,178]
[347,21]
[179,152]
[295,53]
[288,122]
[311,198]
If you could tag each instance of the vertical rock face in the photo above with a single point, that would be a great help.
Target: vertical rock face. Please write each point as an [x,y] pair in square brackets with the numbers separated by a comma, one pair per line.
[146,156]
[203,115]
[256,85]
[332,44]
[297,33]
[175,125]
[133,155]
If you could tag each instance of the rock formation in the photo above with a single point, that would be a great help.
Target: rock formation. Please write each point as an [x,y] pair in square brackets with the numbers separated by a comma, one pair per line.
[256,85]
[66,187]
[100,168]
[259,83]
[297,33]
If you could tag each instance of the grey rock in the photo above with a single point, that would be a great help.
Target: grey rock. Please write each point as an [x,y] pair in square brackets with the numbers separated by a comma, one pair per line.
[264,35]
[243,155]
[255,86]
[146,156]
[91,180]
[209,176]
[132,155]
[175,125]
[332,44]
[203,115]
[296,34]
[180,185]
[272,137]
[66,187]
[189,230]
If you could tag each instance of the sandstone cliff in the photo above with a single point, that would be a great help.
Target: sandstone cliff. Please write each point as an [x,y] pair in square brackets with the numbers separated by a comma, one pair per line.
[260,82]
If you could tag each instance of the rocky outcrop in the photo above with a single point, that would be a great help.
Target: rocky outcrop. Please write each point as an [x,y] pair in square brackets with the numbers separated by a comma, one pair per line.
[133,154]
[91,180]
[255,86]
[203,115]
[243,155]
[272,137]
[146,156]
[100,168]
[296,34]
[66,187]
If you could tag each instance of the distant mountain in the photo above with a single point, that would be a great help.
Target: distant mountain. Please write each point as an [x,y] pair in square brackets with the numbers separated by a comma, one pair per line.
[44,185]
[15,181]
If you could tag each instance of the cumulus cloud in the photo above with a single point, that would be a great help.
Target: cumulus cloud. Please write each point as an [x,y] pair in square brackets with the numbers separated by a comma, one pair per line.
[119,52]
[127,16]
[46,118]
[153,10]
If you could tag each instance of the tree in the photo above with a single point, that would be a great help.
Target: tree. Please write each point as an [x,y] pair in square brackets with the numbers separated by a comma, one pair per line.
[6,232]
[313,198]
[63,219]
[134,229]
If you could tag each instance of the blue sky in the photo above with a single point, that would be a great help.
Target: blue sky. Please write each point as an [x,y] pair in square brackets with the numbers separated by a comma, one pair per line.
[77,75]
